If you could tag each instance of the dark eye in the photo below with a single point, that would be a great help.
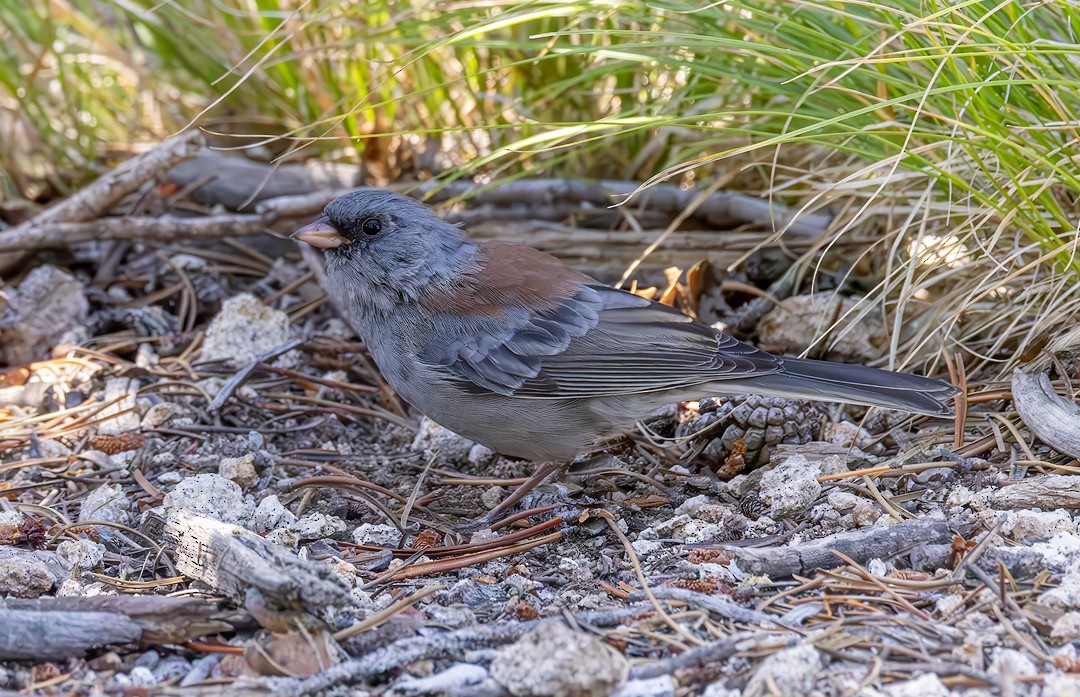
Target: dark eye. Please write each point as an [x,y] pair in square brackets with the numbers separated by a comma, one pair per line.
[371,226]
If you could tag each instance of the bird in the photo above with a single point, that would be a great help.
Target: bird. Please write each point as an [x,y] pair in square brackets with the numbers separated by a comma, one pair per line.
[507,346]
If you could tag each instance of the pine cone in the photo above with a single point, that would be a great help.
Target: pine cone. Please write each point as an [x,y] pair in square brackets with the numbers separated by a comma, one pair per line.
[751,425]
[113,445]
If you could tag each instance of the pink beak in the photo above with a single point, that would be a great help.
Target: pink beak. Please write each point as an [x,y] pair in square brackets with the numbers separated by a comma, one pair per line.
[320,234]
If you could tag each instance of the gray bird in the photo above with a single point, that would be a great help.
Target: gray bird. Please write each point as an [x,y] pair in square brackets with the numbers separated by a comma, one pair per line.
[507,346]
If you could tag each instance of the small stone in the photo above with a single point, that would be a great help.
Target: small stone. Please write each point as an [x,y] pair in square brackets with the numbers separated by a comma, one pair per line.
[554,660]
[239,469]
[947,604]
[210,495]
[166,414]
[1029,526]
[791,487]
[843,500]
[448,446]
[120,416]
[1066,628]
[793,672]
[480,456]
[47,304]
[269,514]
[81,553]
[926,685]
[662,686]
[845,434]
[28,574]
[1067,595]
[865,513]
[107,503]
[243,330]
[376,535]
[786,329]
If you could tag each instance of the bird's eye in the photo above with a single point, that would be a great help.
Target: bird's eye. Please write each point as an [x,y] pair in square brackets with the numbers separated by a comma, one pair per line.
[371,226]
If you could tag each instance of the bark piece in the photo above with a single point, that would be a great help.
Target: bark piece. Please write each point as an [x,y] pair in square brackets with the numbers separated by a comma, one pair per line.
[57,628]
[233,561]
[1054,420]
[860,545]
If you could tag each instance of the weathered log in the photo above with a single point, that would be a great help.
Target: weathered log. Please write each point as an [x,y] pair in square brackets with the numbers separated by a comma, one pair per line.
[234,561]
[56,628]
[860,545]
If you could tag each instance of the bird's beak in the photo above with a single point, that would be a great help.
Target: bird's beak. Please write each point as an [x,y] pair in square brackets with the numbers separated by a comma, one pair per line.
[320,234]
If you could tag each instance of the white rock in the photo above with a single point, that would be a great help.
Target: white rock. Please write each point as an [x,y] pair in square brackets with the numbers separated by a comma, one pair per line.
[645,548]
[662,686]
[210,495]
[46,305]
[316,526]
[120,416]
[1012,662]
[793,671]
[1066,627]
[166,414]
[948,603]
[842,500]
[30,573]
[554,660]
[926,685]
[243,330]
[432,438]
[694,504]
[1061,685]
[1030,526]
[480,455]
[846,433]
[81,553]
[458,680]
[717,689]
[791,487]
[376,534]
[239,469]
[106,503]
[1061,555]
[804,316]
[269,514]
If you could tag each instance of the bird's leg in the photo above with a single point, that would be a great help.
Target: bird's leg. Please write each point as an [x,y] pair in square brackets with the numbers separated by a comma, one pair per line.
[535,479]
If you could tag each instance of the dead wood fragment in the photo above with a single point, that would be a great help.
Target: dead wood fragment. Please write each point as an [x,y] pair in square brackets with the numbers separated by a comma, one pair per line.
[860,545]
[29,635]
[234,561]
[58,628]
[1055,421]
[1044,493]
[166,228]
[99,197]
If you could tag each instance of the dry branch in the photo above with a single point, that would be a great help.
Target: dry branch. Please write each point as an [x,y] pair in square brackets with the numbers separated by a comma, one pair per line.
[166,228]
[57,628]
[860,545]
[233,561]
[1054,420]
[99,197]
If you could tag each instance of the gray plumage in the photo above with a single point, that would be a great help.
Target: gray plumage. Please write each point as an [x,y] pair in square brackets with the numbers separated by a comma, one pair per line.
[507,346]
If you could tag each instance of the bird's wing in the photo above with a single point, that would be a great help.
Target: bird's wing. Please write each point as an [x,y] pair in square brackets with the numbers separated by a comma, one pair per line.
[594,341]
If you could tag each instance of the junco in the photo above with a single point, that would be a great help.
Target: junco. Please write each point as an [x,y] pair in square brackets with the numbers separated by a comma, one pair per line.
[505,345]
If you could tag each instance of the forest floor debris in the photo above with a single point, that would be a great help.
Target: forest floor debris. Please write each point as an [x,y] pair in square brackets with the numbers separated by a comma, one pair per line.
[204,482]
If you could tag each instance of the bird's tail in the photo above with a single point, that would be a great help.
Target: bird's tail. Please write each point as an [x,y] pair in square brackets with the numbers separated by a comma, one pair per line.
[802,378]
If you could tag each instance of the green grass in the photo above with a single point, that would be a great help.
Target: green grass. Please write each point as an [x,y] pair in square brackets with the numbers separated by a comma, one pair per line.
[917,120]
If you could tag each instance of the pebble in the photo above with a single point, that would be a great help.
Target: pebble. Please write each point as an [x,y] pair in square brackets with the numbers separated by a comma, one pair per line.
[791,487]
[554,660]
[926,685]
[792,671]
[269,514]
[376,534]
[239,469]
[81,553]
[243,330]
[210,495]
[47,304]
[106,503]
[30,573]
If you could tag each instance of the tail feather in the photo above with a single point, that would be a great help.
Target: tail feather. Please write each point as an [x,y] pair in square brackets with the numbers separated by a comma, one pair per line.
[856,384]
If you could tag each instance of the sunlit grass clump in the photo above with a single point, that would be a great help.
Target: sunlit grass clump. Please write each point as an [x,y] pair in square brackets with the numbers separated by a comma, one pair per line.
[944,133]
